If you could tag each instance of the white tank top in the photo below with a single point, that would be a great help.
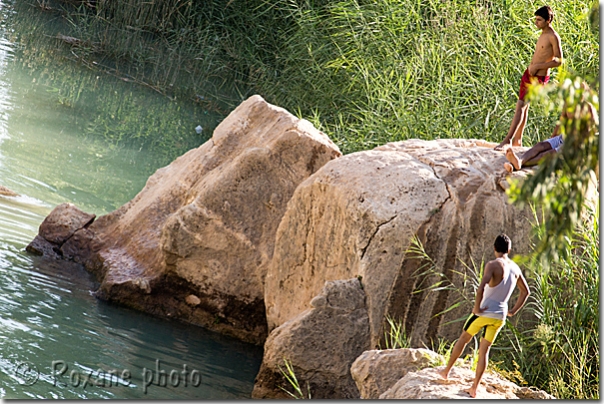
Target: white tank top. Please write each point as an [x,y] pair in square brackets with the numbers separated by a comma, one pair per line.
[495,299]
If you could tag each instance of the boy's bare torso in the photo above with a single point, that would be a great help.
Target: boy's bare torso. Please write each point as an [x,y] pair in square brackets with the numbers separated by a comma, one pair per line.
[544,51]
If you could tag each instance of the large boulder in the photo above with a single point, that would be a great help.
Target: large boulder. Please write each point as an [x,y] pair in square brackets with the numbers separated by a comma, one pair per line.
[196,242]
[359,214]
[427,384]
[375,371]
[320,343]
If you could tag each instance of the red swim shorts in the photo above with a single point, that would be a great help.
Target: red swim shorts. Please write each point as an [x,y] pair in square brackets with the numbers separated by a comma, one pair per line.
[526,80]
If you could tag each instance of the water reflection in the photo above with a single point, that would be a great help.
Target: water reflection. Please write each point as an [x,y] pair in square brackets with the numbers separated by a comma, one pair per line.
[88,136]
[47,314]
[70,134]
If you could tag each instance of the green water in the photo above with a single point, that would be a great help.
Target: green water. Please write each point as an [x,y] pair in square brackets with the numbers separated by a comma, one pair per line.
[69,133]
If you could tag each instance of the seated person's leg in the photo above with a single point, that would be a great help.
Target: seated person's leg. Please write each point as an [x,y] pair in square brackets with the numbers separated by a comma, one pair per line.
[547,147]
[532,156]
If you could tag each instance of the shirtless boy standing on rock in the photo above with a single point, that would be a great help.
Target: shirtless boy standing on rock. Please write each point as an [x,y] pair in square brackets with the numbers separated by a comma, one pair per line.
[490,311]
[548,54]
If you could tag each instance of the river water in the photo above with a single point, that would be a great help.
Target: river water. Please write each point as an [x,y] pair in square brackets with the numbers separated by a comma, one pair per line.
[73,134]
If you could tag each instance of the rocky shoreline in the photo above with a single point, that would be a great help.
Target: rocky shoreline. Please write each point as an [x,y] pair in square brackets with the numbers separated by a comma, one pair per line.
[267,233]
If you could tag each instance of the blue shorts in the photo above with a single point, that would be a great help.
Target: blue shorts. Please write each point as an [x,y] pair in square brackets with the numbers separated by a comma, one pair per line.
[556,142]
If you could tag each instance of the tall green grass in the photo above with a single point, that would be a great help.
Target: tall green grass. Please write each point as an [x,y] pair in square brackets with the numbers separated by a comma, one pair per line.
[560,352]
[369,72]
[553,343]
[365,72]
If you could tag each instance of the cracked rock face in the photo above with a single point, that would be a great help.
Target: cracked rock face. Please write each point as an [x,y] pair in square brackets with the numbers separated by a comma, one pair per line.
[58,229]
[321,344]
[358,215]
[205,225]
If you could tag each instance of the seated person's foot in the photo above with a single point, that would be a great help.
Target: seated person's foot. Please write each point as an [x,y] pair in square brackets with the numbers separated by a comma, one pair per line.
[512,158]
[508,167]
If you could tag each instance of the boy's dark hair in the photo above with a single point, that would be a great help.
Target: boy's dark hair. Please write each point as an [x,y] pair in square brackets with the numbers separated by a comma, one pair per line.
[503,244]
[546,13]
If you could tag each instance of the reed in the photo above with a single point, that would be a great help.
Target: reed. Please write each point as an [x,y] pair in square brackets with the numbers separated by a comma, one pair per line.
[554,343]
[560,352]
[364,72]
[370,72]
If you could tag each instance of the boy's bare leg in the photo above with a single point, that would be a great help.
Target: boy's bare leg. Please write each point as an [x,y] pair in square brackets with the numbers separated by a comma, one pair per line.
[455,353]
[517,138]
[483,361]
[517,125]
[534,159]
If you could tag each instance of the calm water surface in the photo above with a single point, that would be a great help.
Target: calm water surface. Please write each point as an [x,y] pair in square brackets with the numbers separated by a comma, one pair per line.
[71,134]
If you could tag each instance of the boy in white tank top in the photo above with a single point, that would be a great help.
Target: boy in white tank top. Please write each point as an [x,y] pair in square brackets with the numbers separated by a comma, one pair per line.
[500,277]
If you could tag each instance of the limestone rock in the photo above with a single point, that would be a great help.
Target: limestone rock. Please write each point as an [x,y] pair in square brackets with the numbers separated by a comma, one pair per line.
[57,229]
[41,246]
[376,371]
[321,344]
[205,224]
[62,222]
[358,216]
[193,300]
[427,384]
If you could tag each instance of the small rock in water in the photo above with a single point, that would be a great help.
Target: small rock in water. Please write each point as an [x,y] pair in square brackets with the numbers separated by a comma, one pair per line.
[7,192]
[199,129]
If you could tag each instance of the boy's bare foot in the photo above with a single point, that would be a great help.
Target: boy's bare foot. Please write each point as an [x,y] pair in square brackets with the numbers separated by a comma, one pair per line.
[443,373]
[512,158]
[508,167]
[471,391]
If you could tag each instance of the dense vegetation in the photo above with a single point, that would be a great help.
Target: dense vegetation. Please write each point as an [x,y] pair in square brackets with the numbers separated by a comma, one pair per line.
[560,352]
[554,343]
[368,72]
[365,72]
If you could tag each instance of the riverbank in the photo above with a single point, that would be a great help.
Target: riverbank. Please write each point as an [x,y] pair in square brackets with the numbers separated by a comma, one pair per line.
[367,74]
[54,114]
[363,73]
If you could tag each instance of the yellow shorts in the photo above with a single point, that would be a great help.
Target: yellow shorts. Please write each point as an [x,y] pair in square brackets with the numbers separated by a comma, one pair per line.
[474,323]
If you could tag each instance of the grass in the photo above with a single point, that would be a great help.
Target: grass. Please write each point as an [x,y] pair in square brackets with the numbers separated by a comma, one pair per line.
[554,343]
[370,72]
[560,351]
[363,72]
[290,376]
[396,337]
